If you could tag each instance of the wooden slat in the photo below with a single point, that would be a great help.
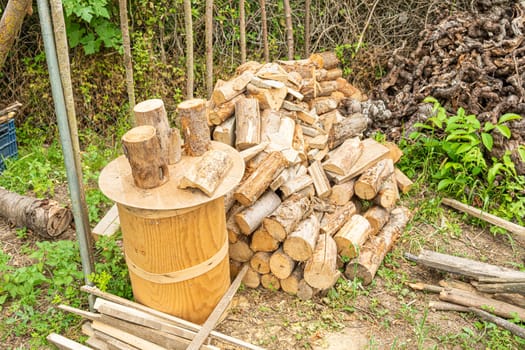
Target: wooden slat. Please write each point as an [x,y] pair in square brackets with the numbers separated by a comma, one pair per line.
[109,224]
[64,343]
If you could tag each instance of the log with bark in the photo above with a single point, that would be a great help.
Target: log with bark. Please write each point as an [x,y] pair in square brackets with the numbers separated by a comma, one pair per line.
[320,271]
[194,126]
[287,216]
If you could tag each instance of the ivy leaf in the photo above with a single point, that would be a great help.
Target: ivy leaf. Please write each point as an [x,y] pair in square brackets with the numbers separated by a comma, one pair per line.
[508,116]
[504,130]
[487,140]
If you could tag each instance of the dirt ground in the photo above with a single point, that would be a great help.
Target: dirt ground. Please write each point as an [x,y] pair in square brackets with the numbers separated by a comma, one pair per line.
[386,314]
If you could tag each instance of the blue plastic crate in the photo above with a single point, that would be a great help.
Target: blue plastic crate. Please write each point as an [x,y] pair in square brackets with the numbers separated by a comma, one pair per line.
[8,147]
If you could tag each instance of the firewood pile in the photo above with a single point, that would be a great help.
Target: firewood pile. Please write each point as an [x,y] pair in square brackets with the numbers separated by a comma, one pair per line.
[298,215]
[468,59]
[493,293]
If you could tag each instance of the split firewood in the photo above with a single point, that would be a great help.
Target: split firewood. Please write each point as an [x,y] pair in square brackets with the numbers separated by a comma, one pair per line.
[286,217]
[319,142]
[349,127]
[255,185]
[369,183]
[349,90]
[326,88]
[307,117]
[323,104]
[304,67]
[252,217]
[373,152]
[249,153]
[252,66]
[332,222]
[295,185]
[305,291]
[326,60]
[388,194]
[300,243]
[268,98]
[511,298]
[225,132]
[248,123]
[374,251]
[262,241]
[194,126]
[403,182]
[281,265]
[231,88]
[152,112]
[270,123]
[299,143]
[218,114]
[267,83]
[280,179]
[252,279]
[260,262]
[328,74]
[320,181]
[142,149]
[377,217]
[294,93]
[395,153]
[235,267]
[342,159]
[290,284]
[273,71]
[320,271]
[231,225]
[208,172]
[283,139]
[350,238]
[240,250]
[270,281]
[342,193]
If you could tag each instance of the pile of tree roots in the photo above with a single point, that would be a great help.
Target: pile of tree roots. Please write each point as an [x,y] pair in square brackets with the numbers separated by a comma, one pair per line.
[471,59]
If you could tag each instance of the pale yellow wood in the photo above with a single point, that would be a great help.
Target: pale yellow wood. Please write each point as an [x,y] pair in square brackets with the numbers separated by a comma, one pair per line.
[125,336]
[270,281]
[109,224]
[352,235]
[207,174]
[403,182]
[320,181]
[64,343]
[281,265]
[300,243]
[320,271]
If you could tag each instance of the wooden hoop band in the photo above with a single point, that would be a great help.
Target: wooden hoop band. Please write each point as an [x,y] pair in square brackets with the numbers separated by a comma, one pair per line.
[181,275]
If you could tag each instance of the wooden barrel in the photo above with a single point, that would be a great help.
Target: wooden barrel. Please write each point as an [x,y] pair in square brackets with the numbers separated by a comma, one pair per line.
[177,259]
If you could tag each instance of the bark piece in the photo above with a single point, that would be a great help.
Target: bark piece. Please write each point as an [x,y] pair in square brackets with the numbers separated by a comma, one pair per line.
[369,183]
[231,88]
[342,193]
[403,182]
[352,235]
[350,126]
[255,185]
[281,265]
[262,241]
[260,262]
[194,126]
[270,281]
[342,159]
[225,132]
[321,183]
[300,243]
[286,217]
[208,172]
[320,271]
[142,149]
[332,222]
[252,217]
[374,251]
[326,60]
[248,123]
[377,217]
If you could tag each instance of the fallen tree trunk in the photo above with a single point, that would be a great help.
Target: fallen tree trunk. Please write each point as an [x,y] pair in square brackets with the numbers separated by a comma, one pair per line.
[42,216]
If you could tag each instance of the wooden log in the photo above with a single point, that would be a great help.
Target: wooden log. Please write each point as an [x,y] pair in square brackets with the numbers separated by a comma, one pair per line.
[225,132]
[369,183]
[252,217]
[208,172]
[252,279]
[307,117]
[286,217]
[262,241]
[248,123]
[235,267]
[395,153]
[320,271]
[516,287]
[194,126]
[260,262]
[511,298]
[231,225]
[249,153]
[318,142]
[218,114]
[290,284]
[273,71]
[320,181]
[252,66]
[45,217]
[342,193]
[299,143]
[374,251]
[152,112]
[270,281]
[267,83]
[351,237]
[255,185]
[349,127]
[518,230]
[240,250]
[268,98]
[305,291]
[283,139]
[328,74]
[125,337]
[281,265]
[332,222]
[349,90]
[280,179]
[373,152]
[342,159]
[326,60]
[300,243]
[270,123]
[231,88]
[326,88]
[377,217]
[403,182]
[466,267]
[295,185]
[323,104]
[142,149]
[388,194]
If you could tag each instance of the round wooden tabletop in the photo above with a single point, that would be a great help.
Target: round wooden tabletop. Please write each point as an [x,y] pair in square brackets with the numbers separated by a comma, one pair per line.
[116,182]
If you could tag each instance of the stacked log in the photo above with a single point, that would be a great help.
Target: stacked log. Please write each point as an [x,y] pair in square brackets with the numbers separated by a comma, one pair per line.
[308,170]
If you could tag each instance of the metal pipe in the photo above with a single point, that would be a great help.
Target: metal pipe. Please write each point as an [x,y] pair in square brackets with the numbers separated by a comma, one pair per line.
[81,224]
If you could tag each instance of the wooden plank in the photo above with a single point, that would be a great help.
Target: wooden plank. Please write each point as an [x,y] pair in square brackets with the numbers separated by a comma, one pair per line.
[125,337]
[109,224]
[64,343]
[217,312]
[493,219]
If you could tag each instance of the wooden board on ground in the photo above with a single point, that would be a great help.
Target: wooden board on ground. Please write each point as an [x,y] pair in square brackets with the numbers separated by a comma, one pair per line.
[109,224]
